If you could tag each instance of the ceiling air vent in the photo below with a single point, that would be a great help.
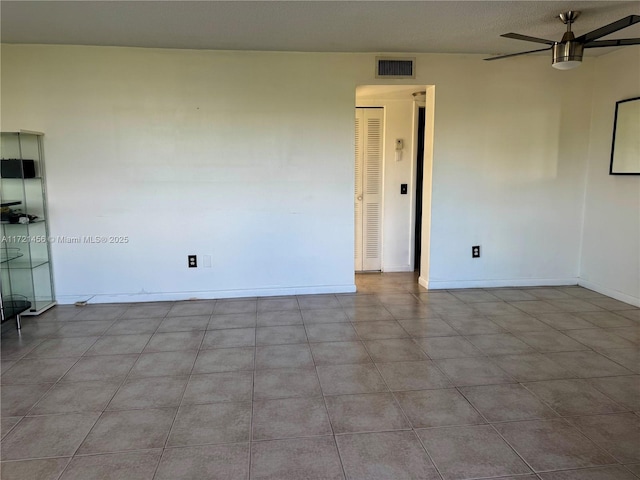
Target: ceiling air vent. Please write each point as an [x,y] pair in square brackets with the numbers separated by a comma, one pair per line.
[387,67]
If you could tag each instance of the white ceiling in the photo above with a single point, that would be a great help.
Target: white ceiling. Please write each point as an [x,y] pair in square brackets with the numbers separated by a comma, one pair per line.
[307,26]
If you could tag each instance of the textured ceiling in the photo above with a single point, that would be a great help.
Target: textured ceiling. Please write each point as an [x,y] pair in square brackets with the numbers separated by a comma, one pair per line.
[307,26]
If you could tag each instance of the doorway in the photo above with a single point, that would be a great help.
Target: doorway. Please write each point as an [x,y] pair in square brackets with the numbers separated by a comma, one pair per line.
[369,128]
[419,190]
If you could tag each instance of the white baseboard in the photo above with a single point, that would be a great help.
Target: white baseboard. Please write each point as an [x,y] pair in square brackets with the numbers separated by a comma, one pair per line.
[205,295]
[398,269]
[623,297]
[513,282]
[423,282]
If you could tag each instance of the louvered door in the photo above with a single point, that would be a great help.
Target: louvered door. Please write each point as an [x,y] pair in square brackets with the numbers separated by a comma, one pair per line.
[368,191]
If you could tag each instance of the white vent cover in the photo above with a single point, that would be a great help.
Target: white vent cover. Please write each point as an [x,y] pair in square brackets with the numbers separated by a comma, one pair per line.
[394,67]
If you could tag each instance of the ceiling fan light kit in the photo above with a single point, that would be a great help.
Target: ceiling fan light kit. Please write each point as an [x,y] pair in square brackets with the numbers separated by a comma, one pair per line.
[567,53]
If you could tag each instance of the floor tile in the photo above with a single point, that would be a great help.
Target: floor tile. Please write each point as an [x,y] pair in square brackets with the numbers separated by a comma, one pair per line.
[184,324]
[587,364]
[499,344]
[232,320]
[301,458]
[384,456]
[311,302]
[550,341]
[284,356]
[285,383]
[368,313]
[631,314]
[331,332]
[470,452]
[574,305]
[501,403]
[339,353]
[103,368]
[427,327]
[448,347]
[573,397]
[129,430]
[218,462]
[437,408]
[536,307]
[99,312]
[547,293]
[344,379]
[324,315]
[134,326]
[17,400]
[281,335]
[224,360]
[599,473]
[219,387]
[287,317]
[421,375]
[75,398]
[394,350]
[606,319]
[162,364]
[454,309]
[531,367]
[473,325]
[83,329]
[232,337]
[355,300]
[564,321]
[191,308]
[47,436]
[290,417]
[397,299]
[611,304]
[419,310]
[630,333]
[7,423]
[511,294]
[119,344]
[473,296]
[132,466]
[624,390]
[619,434]
[43,370]
[634,469]
[627,357]
[147,311]
[235,306]
[41,469]
[372,412]
[552,445]
[62,347]
[598,338]
[152,392]
[174,341]
[277,304]
[214,424]
[379,330]
[473,371]
[497,308]
[17,347]
[519,322]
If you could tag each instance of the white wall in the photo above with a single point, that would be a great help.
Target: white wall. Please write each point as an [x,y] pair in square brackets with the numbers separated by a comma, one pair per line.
[190,152]
[611,242]
[399,210]
[249,157]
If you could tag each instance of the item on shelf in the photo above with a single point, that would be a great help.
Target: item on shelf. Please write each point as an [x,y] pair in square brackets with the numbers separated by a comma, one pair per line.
[17,168]
[9,253]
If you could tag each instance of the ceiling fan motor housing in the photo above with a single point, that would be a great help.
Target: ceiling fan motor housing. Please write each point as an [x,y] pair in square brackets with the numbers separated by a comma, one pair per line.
[565,52]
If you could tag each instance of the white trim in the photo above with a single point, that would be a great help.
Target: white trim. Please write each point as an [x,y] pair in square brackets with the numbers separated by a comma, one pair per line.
[513,282]
[623,297]
[204,295]
[423,282]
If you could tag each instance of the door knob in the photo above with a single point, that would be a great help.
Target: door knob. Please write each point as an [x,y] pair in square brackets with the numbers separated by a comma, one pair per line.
[359,198]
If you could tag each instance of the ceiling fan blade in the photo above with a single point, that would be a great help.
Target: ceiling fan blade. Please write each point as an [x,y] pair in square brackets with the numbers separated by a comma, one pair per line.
[527,38]
[613,43]
[516,54]
[607,29]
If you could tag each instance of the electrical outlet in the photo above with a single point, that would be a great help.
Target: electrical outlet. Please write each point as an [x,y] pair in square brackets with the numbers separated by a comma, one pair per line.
[475,251]
[192,261]
[403,189]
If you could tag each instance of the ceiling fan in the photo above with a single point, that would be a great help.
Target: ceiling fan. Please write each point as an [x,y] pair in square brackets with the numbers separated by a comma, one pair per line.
[567,53]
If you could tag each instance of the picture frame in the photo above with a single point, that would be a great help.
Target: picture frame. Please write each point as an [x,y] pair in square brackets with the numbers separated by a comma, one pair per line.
[625,145]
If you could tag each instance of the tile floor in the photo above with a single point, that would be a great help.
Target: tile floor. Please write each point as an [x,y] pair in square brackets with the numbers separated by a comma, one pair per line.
[391,383]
